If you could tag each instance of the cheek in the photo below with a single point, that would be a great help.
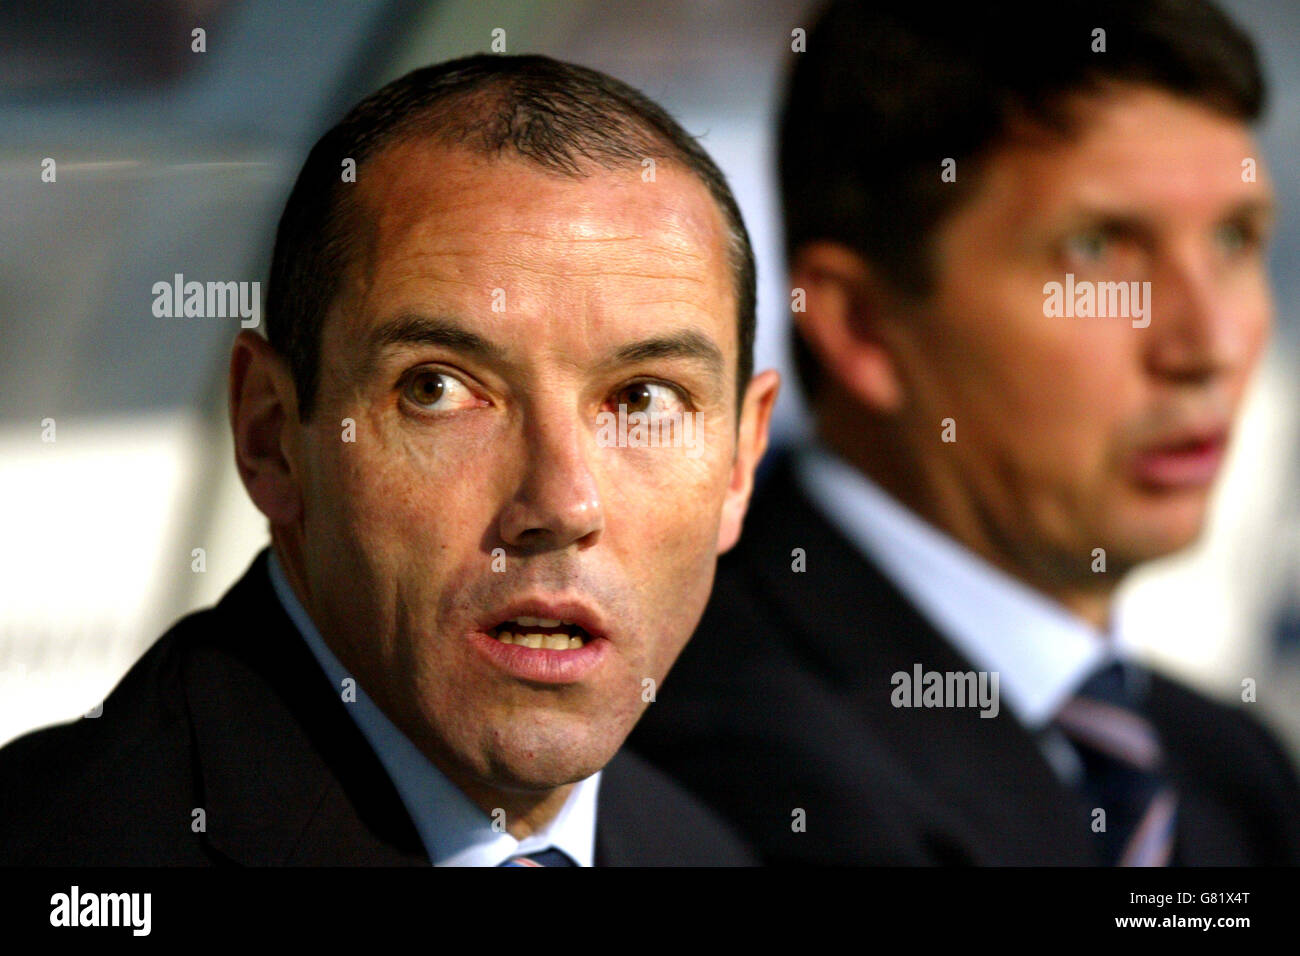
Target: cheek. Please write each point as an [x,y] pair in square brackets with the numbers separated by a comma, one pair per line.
[662,515]
[1258,324]
[1038,401]
[422,503]
[1054,389]
[406,498]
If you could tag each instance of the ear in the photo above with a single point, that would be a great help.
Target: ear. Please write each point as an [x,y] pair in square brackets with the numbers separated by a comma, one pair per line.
[264,420]
[751,443]
[841,322]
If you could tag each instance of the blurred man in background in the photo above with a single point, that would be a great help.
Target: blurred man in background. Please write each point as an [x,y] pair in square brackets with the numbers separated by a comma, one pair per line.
[1027,251]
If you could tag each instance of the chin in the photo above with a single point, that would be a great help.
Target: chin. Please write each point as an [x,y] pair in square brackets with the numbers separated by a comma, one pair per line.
[546,760]
[510,772]
[1162,535]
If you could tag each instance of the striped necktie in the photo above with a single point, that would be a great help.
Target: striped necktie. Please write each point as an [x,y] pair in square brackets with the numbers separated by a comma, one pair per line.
[548,857]
[1123,770]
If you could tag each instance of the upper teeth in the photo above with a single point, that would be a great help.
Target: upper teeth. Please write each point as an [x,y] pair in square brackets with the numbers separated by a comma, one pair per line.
[551,642]
[538,632]
[539,622]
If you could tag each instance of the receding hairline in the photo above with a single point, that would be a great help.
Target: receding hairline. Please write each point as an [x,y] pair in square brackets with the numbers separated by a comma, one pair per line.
[474,118]
[411,326]
[358,229]
[454,122]
[559,117]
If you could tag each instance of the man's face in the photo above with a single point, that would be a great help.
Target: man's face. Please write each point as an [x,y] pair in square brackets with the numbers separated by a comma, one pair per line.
[491,312]
[1077,433]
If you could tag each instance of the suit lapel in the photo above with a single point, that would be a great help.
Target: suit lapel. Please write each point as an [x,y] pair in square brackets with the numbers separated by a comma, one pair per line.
[612,846]
[642,819]
[856,629]
[621,836]
[1209,831]
[286,777]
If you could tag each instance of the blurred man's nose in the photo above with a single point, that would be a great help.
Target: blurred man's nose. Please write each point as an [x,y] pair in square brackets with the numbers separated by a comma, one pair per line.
[1203,319]
[557,502]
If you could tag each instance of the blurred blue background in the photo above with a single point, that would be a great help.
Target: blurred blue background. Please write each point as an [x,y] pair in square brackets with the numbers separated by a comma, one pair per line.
[170,160]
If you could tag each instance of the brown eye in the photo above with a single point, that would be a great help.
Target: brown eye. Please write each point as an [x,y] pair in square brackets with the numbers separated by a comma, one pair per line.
[637,398]
[427,388]
[434,390]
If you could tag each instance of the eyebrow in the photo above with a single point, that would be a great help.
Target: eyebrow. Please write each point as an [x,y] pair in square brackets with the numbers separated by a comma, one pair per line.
[686,343]
[1250,208]
[414,329]
[1256,208]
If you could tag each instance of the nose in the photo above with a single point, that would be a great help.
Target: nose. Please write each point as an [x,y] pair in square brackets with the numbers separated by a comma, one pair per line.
[557,502]
[1202,321]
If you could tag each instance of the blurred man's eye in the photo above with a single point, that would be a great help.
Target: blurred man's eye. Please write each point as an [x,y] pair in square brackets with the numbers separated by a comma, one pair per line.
[654,398]
[433,390]
[1235,238]
[1088,246]
[1113,247]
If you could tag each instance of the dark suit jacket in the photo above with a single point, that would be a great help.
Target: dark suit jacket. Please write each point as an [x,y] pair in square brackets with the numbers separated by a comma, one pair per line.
[230,713]
[781,702]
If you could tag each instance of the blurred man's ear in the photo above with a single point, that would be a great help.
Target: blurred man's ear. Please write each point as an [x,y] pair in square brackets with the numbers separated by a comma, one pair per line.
[751,443]
[844,302]
[264,421]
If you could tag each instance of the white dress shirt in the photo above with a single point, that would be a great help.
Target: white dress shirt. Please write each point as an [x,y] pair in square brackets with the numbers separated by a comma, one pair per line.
[1040,650]
[454,830]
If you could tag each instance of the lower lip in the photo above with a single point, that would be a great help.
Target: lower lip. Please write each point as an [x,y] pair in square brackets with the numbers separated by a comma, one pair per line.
[539,664]
[1192,467]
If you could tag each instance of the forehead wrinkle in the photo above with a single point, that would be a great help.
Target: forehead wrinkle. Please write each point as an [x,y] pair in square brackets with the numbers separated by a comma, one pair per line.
[558,270]
[677,231]
[459,245]
[476,284]
[462,241]
[674,289]
[680,234]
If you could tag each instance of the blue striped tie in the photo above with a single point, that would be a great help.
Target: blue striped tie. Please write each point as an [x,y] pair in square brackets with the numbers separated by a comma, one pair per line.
[548,857]
[1123,767]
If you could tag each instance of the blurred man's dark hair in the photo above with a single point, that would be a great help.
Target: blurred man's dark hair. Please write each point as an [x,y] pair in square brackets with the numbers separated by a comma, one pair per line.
[889,89]
[561,117]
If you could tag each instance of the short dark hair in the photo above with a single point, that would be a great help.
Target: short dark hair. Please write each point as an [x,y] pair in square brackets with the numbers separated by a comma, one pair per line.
[888,89]
[564,118]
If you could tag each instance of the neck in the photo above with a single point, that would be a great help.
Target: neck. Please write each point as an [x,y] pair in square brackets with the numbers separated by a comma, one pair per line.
[289,553]
[523,812]
[940,499]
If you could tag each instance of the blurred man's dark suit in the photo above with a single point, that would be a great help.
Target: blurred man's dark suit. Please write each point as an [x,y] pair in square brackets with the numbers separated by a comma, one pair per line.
[781,703]
[230,714]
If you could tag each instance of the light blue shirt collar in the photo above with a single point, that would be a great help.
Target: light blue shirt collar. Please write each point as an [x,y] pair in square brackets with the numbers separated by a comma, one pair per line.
[1041,651]
[455,831]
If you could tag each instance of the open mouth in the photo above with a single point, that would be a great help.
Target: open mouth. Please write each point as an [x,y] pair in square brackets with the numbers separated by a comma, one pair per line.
[1194,447]
[1192,462]
[541,633]
[544,640]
